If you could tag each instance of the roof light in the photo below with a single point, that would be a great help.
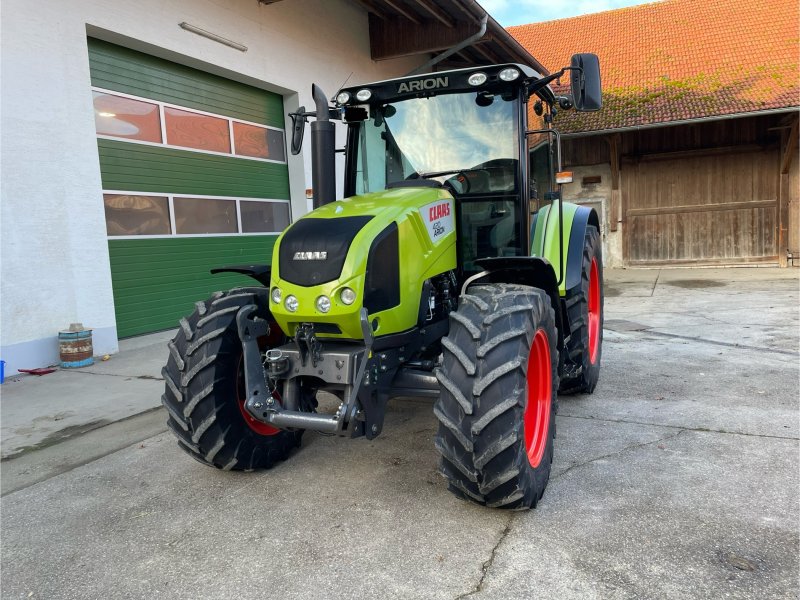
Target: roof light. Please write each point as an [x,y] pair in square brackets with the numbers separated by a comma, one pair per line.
[564,177]
[477,78]
[509,74]
[363,95]
[343,98]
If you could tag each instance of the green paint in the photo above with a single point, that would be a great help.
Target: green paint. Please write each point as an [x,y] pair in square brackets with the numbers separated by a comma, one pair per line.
[545,237]
[143,168]
[157,281]
[420,259]
[128,71]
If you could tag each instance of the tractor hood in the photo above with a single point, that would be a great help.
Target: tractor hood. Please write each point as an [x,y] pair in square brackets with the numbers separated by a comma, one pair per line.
[381,245]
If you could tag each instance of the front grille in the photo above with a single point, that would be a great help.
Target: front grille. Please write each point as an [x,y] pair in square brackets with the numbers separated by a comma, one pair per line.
[309,236]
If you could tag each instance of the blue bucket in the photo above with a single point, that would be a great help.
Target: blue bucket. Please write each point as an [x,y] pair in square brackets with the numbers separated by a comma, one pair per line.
[2,371]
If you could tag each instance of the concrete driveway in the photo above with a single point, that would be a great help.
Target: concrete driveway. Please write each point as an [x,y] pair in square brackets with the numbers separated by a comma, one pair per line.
[677,478]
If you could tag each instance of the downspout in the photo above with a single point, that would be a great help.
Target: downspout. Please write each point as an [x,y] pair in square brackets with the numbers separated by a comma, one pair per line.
[426,68]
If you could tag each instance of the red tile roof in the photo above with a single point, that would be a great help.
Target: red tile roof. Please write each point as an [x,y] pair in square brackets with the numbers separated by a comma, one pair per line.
[678,59]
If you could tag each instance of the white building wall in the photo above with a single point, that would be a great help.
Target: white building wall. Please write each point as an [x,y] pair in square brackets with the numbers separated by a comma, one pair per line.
[53,246]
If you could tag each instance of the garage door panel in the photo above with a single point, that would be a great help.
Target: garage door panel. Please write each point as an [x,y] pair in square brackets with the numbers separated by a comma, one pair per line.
[173,213]
[716,208]
[139,74]
[157,281]
[144,168]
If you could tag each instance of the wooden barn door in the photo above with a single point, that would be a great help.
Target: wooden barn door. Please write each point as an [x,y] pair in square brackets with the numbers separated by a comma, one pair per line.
[717,206]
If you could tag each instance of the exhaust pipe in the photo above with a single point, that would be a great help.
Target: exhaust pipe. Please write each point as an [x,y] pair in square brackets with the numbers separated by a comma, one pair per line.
[323,152]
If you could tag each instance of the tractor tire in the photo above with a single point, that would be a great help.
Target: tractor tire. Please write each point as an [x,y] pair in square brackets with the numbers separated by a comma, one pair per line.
[205,390]
[585,313]
[497,404]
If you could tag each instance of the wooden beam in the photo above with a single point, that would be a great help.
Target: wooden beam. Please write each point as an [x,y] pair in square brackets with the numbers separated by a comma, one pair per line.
[436,12]
[395,4]
[789,149]
[719,150]
[394,38]
[694,208]
[486,53]
[372,9]
[615,216]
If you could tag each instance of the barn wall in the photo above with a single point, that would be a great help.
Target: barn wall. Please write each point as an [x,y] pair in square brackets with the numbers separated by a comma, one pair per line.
[704,171]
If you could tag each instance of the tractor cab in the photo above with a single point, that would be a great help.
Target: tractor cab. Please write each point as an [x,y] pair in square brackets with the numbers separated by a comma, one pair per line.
[466,131]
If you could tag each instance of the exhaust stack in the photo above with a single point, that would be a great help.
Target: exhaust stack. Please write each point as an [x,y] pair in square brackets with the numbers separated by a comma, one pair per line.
[323,163]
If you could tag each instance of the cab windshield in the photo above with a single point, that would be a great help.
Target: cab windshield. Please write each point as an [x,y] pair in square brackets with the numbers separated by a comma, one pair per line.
[443,137]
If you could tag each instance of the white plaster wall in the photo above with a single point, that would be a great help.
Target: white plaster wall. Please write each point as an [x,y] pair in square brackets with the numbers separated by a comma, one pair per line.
[55,265]
[599,197]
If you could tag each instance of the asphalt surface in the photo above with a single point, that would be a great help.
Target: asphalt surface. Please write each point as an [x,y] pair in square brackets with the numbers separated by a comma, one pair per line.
[677,478]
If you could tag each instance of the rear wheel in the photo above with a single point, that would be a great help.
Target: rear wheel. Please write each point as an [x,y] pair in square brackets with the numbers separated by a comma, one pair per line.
[205,390]
[497,404]
[585,311]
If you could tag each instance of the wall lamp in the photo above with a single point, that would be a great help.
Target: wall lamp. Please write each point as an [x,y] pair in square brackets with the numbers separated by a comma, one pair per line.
[213,36]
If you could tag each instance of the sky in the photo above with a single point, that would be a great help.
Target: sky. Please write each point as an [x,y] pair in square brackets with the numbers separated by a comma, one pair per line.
[519,12]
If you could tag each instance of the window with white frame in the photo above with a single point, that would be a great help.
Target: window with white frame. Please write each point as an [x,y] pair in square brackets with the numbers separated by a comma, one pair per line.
[145,121]
[135,215]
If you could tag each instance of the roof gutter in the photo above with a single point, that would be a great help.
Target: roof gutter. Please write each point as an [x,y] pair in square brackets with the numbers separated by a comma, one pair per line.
[496,30]
[755,113]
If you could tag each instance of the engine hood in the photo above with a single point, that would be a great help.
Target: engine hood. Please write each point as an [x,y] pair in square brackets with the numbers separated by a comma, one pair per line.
[329,249]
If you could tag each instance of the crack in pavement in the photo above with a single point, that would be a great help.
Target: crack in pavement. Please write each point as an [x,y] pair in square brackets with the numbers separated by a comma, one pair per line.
[646,330]
[617,453]
[488,563]
[655,283]
[684,427]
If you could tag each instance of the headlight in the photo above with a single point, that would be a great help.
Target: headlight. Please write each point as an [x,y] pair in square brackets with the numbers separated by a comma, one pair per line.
[477,78]
[276,295]
[363,95]
[343,98]
[347,296]
[509,74]
[323,304]
[291,303]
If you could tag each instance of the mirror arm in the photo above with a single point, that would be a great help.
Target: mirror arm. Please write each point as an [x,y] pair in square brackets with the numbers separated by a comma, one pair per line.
[544,81]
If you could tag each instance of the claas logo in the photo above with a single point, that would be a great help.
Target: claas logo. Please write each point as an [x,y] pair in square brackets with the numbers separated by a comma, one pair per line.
[439,211]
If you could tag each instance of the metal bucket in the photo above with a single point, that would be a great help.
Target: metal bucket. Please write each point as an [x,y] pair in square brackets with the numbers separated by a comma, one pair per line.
[75,347]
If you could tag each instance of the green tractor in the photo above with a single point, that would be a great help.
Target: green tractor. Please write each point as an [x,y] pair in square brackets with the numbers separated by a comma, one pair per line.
[450,270]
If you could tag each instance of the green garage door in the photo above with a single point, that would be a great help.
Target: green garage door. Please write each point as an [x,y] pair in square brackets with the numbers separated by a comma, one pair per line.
[194,176]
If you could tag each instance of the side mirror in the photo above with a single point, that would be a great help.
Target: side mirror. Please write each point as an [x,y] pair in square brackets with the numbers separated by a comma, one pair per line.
[585,80]
[298,129]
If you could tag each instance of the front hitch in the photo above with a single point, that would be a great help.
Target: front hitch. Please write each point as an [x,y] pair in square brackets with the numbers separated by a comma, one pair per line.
[261,403]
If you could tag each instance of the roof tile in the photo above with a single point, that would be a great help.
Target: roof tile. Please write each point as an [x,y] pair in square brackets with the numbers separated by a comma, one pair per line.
[678,59]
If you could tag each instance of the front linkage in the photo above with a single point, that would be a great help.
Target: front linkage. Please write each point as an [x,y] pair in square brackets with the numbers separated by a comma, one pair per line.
[364,380]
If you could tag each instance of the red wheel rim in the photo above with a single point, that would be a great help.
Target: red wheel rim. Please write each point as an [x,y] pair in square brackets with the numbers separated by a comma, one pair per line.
[254,424]
[594,311]
[540,395]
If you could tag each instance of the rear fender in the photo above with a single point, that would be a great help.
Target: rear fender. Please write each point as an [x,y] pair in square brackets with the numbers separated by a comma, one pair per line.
[545,239]
[525,270]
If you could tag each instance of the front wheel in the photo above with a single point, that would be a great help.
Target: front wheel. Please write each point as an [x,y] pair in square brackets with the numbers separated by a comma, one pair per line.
[205,390]
[497,405]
